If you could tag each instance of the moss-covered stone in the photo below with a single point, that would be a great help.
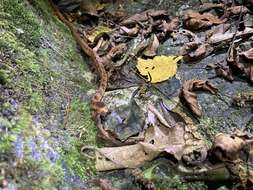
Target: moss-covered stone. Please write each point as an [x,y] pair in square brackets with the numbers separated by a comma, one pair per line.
[44,117]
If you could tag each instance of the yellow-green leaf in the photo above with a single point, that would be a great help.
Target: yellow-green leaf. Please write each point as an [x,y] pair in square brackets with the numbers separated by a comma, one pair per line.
[100,6]
[158,69]
[97,31]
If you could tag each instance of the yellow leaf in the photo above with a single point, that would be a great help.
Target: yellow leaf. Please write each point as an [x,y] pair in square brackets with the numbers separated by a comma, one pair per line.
[100,6]
[158,69]
[98,30]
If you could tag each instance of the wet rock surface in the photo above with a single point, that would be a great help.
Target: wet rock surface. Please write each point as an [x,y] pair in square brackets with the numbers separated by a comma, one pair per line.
[44,104]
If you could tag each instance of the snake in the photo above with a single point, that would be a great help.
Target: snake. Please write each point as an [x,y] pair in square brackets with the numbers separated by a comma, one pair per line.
[97,105]
[99,109]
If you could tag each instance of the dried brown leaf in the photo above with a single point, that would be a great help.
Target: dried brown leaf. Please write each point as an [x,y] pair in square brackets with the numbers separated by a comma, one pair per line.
[236,10]
[195,21]
[169,26]
[88,7]
[130,31]
[227,147]
[179,141]
[142,17]
[248,54]
[222,71]
[245,68]
[191,98]
[193,51]
[208,6]
[150,51]
[217,38]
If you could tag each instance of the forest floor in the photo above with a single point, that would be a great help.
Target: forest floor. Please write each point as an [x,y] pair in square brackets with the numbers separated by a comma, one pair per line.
[179,95]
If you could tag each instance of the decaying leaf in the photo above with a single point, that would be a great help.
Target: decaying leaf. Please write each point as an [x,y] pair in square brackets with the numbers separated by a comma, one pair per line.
[129,31]
[208,6]
[97,31]
[248,54]
[248,20]
[150,51]
[243,98]
[227,147]
[131,156]
[217,38]
[88,7]
[194,20]
[160,117]
[193,51]
[222,70]
[169,26]
[191,98]
[236,10]
[144,16]
[158,69]
[179,142]
[244,68]
[125,121]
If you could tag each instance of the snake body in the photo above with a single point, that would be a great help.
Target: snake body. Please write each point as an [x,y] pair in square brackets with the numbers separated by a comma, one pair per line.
[97,105]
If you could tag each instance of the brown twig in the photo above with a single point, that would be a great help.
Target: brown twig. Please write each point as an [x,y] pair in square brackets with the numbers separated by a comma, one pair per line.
[234,36]
[67,111]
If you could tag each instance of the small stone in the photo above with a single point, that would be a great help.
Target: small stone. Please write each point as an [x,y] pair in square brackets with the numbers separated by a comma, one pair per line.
[3,183]
[20,31]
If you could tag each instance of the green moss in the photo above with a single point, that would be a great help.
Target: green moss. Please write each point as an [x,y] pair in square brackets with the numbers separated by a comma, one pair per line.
[80,124]
[23,22]
[74,160]
[208,128]
[42,72]
[54,175]
[36,102]
[4,79]
[42,174]
[7,139]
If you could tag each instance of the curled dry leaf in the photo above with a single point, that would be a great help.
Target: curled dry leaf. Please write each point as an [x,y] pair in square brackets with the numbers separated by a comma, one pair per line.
[169,26]
[193,51]
[248,20]
[179,142]
[158,69]
[160,117]
[195,21]
[142,17]
[222,71]
[88,7]
[227,147]
[248,54]
[130,31]
[217,38]
[208,6]
[236,10]
[191,98]
[150,51]
[131,156]
[245,68]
